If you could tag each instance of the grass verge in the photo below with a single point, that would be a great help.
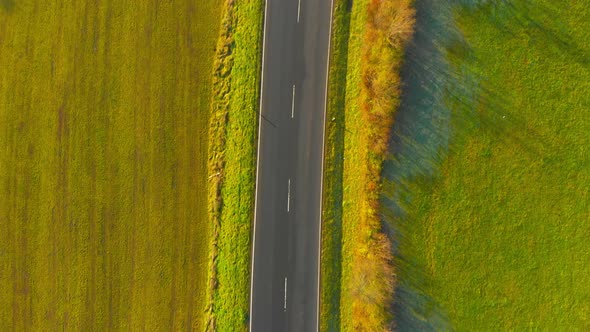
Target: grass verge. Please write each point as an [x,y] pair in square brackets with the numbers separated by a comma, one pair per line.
[232,162]
[104,110]
[331,256]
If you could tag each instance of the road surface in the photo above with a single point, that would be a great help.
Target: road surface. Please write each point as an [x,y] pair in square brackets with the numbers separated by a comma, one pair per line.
[286,239]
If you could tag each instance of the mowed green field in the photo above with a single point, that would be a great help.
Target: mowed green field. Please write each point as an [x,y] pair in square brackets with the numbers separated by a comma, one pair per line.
[103,163]
[501,235]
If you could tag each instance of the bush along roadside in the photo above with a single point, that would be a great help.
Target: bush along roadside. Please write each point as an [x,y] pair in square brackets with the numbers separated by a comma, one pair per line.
[378,32]
[389,27]
[232,163]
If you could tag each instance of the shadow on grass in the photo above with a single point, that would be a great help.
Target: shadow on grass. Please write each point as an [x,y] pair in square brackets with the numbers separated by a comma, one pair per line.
[540,22]
[490,110]
[419,143]
[446,100]
[7,5]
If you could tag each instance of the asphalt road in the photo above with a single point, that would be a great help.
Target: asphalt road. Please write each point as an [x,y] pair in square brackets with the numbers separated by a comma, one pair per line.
[285,266]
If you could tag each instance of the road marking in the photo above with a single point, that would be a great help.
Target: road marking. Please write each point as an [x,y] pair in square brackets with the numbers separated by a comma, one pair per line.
[293,103]
[298,10]
[285,302]
[289,196]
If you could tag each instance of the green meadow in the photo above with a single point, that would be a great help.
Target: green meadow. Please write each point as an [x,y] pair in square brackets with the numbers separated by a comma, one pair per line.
[332,225]
[104,112]
[492,227]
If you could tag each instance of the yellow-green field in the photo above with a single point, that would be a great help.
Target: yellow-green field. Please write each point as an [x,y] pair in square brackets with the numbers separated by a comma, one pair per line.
[103,161]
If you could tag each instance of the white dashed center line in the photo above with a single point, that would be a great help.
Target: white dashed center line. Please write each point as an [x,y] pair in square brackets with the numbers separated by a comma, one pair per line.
[293,103]
[285,302]
[289,195]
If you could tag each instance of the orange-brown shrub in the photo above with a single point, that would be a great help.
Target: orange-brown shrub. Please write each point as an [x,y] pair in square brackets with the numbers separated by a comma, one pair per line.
[389,27]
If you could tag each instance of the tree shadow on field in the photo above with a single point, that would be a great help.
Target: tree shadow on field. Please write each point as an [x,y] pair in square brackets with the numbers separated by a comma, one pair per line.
[489,109]
[419,144]
[445,100]
[7,5]
[540,22]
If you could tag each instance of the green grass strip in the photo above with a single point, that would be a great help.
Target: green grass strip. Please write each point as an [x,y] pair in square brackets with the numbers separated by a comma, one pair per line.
[331,256]
[352,179]
[233,162]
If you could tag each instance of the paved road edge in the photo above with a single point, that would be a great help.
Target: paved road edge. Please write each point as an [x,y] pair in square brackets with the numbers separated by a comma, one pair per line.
[253,249]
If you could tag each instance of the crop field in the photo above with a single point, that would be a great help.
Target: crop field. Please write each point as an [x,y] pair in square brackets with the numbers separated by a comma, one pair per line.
[104,111]
[497,239]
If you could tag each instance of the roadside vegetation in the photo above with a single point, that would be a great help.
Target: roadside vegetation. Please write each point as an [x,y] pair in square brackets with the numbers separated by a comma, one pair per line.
[499,235]
[104,112]
[232,162]
[331,251]
[377,32]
